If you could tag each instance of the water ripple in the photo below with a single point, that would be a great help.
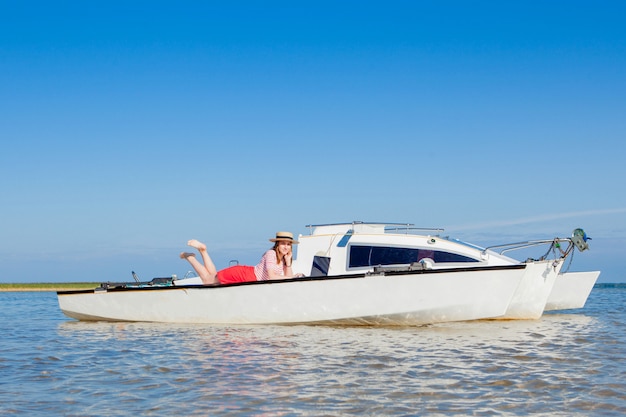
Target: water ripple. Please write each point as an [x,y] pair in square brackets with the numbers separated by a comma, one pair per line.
[560,365]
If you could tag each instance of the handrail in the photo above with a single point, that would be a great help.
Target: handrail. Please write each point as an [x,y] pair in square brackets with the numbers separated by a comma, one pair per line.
[388,226]
[359,222]
[526,244]
[432,229]
[554,245]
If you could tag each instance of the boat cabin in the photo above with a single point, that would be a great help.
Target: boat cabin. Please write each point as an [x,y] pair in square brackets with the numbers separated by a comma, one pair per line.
[342,248]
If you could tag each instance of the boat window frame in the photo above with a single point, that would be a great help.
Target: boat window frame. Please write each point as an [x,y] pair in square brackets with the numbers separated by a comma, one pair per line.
[438,256]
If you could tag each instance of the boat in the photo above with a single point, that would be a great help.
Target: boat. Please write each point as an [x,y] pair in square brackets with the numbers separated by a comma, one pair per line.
[340,248]
[571,290]
[401,296]
[355,274]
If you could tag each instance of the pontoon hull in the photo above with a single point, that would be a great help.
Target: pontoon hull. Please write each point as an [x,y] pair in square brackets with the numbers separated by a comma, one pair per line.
[571,290]
[414,298]
[530,298]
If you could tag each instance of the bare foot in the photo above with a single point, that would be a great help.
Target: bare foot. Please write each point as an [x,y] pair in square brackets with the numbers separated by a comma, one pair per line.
[185,255]
[197,244]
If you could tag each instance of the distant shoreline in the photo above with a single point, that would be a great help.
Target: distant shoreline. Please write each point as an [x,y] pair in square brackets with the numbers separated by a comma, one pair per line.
[48,286]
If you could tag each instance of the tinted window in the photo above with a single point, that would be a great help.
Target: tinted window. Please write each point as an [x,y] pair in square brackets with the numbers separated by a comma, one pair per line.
[382,255]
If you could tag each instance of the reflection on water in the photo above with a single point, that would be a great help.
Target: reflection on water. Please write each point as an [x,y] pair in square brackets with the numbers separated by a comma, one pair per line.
[562,364]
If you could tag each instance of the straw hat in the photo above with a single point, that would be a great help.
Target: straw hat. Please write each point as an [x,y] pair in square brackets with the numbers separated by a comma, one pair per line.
[284,236]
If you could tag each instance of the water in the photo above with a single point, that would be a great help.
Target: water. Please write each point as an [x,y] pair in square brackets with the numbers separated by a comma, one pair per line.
[560,365]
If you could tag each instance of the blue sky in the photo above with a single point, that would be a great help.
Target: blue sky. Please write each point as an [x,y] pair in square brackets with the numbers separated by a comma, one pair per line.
[130,127]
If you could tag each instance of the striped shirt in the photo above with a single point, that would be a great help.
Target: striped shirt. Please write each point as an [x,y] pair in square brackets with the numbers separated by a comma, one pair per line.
[269,262]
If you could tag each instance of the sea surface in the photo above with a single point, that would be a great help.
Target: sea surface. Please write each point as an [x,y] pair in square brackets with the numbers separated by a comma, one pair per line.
[564,364]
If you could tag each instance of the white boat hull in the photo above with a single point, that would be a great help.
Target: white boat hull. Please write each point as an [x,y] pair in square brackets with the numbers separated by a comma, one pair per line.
[530,298]
[410,298]
[571,290]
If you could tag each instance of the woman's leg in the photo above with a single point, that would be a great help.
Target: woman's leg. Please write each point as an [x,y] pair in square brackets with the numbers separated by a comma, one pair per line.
[207,272]
[208,262]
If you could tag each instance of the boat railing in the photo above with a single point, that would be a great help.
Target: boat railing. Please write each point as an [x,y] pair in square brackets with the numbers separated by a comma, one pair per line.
[554,245]
[190,274]
[387,227]
[519,245]
[421,230]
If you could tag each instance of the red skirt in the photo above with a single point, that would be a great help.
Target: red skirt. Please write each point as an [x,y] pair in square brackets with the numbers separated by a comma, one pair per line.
[237,273]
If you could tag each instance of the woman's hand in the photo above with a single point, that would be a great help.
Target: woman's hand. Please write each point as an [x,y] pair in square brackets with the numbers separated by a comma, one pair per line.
[287,259]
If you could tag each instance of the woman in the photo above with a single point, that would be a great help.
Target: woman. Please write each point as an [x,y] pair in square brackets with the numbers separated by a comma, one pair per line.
[275,263]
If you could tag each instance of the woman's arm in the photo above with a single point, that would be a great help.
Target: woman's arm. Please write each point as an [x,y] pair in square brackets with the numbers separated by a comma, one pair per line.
[289,272]
[286,264]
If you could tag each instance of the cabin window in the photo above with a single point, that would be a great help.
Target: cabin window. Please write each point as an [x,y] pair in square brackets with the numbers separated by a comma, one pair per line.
[384,255]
